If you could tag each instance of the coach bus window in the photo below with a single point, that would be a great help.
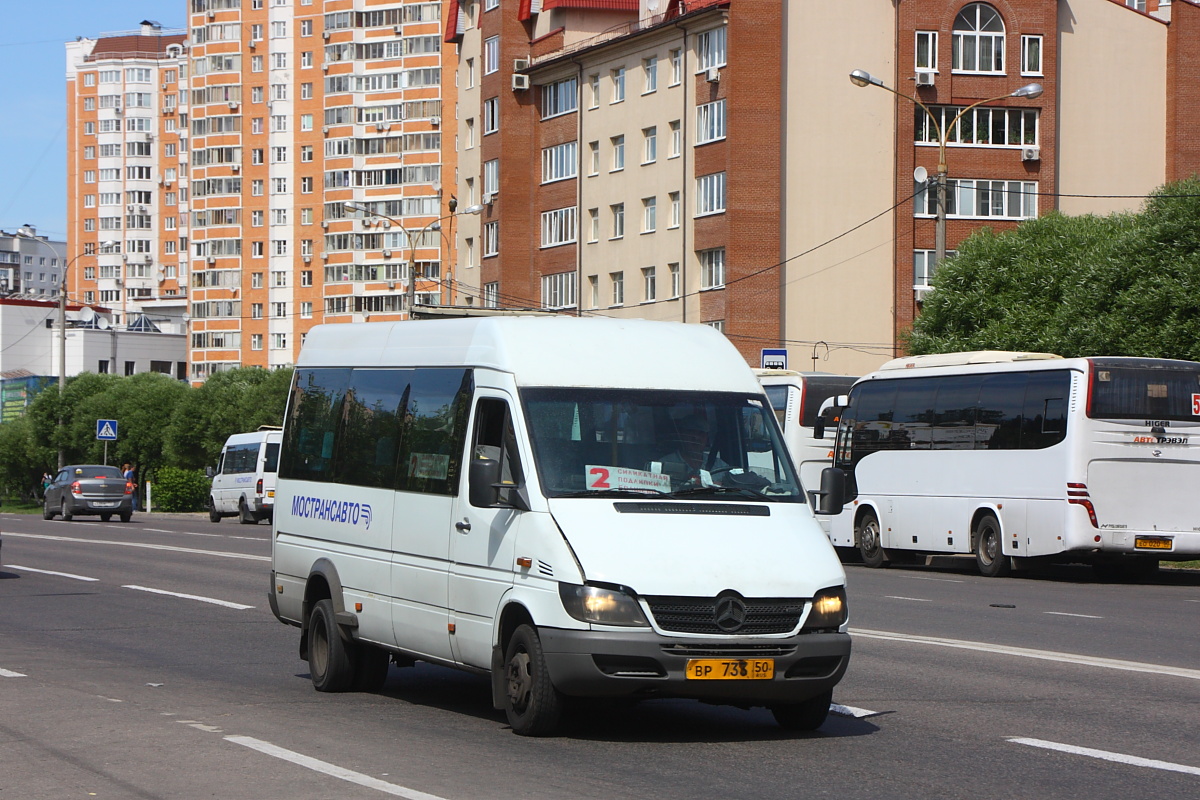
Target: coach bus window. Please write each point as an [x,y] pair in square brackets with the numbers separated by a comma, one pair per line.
[1044,421]
[954,413]
[1001,401]
[914,414]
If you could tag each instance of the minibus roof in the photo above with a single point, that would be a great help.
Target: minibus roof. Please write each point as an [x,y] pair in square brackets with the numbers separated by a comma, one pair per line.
[544,351]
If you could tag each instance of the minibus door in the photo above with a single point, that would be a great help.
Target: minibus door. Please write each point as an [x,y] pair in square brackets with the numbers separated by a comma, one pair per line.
[482,543]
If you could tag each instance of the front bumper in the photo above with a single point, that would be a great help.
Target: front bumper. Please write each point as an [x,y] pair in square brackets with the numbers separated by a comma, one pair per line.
[644,664]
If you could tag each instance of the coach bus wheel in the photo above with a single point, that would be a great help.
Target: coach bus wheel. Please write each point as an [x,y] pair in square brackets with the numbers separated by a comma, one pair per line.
[532,704]
[329,663]
[869,544]
[989,551]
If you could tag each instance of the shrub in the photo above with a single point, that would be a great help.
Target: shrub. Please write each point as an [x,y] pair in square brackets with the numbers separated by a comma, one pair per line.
[180,489]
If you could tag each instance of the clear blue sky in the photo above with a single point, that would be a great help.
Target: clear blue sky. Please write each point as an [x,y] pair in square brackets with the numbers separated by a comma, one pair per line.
[33,134]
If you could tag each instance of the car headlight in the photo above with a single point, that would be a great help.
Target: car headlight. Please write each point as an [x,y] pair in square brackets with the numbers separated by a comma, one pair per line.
[601,605]
[829,609]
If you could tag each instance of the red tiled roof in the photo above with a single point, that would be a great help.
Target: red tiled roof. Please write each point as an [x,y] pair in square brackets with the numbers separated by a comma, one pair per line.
[609,5]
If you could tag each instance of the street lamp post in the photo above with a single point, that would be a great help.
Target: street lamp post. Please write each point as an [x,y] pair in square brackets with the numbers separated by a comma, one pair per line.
[860,77]
[411,290]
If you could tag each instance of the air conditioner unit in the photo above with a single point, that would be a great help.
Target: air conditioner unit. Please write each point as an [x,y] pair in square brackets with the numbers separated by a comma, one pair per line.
[712,74]
[919,294]
[236,167]
[212,259]
[253,43]
[324,223]
[520,64]
[325,35]
[397,29]
[387,253]
[232,105]
[141,209]
[212,15]
[308,259]
[324,68]
[520,83]
[487,198]
[391,285]
[925,78]
[324,254]
[164,87]
[435,121]
[130,208]
[1031,154]
[325,130]
[379,126]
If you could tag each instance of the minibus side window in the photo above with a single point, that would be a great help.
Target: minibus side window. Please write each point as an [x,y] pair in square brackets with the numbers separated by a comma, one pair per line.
[313,414]
[369,434]
[434,430]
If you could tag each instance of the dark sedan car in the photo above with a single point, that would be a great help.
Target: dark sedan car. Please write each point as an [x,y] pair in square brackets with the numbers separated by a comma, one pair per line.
[89,489]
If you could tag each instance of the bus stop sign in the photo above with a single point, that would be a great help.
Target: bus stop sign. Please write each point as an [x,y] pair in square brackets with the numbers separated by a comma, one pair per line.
[774,358]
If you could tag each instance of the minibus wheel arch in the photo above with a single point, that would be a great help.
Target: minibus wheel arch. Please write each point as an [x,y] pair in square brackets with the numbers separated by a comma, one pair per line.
[323,584]
[513,616]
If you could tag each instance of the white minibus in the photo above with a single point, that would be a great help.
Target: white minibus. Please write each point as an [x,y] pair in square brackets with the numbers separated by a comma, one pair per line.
[243,483]
[574,507]
[1019,457]
[799,402]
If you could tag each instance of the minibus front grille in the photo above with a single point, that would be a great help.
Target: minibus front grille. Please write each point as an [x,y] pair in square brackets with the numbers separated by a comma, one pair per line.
[729,651]
[699,615]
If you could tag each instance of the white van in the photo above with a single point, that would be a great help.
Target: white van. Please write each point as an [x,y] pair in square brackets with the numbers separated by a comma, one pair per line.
[523,497]
[243,484]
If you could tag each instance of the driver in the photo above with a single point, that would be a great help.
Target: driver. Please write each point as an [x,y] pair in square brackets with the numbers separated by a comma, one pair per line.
[691,463]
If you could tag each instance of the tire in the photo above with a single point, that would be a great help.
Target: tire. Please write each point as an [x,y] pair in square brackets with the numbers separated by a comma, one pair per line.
[869,546]
[245,515]
[47,513]
[370,668]
[531,703]
[989,549]
[126,516]
[329,663]
[105,517]
[213,514]
[66,512]
[806,716]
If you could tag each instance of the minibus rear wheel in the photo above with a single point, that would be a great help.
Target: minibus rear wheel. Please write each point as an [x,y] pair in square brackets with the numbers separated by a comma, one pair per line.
[329,663]
[532,704]
[806,716]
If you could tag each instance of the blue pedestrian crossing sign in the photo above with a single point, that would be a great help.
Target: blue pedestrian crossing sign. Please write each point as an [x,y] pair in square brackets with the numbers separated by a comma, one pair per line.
[106,430]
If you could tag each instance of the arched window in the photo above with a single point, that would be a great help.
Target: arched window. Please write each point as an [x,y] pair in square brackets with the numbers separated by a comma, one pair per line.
[978,44]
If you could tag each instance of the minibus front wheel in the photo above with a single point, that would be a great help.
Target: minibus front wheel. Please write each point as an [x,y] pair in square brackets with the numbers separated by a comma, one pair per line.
[806,716]
[532,704]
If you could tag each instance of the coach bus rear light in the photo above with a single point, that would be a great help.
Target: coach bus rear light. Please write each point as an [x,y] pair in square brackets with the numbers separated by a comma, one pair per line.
[1077,494]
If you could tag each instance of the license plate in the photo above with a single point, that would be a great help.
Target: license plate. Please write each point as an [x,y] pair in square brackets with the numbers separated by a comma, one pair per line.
[98,504]
[730,669]
[1152,543]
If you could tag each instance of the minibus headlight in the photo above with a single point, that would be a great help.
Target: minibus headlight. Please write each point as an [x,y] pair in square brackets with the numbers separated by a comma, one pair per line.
[600,605]
[829,609]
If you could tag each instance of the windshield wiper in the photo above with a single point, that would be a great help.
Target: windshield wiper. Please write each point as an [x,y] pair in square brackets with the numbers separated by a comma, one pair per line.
[718,490]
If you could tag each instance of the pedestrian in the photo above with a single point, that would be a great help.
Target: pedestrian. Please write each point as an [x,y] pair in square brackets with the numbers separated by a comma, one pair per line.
[47,479]
[129,474]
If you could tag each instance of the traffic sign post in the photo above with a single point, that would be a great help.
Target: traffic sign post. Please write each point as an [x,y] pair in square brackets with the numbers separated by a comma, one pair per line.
[106,431]
[774,358]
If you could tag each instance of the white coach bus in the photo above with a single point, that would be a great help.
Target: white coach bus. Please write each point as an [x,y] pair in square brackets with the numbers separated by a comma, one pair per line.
[576,507]
[1015,456]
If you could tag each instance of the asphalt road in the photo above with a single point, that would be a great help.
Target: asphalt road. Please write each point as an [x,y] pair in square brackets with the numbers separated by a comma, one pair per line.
[142,661]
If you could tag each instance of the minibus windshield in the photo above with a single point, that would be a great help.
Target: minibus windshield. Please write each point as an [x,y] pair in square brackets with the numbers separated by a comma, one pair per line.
[702,445]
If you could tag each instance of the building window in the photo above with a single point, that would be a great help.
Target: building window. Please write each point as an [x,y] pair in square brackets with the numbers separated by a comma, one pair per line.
[558,226]
[594,84]
[926,57]
[558,290]
[491,55]
[710,194]
[650,71]
[924,265]
[491,239]
[617,279]
[594,291]
[618,220]
[1031,55]
[593,224]
[974,199]
[278,341]
[618,153]
[560,97]
[491,295]
[710,49]
[594,148]
[676,139]
[712,268]
[618,84]
[256,341]
[649,214]
[650,149]
[558,162]
[997,127]
[491,115]
[649,285]
[978,43]
[491,177]
[676,212]
[676,67]
[710,122]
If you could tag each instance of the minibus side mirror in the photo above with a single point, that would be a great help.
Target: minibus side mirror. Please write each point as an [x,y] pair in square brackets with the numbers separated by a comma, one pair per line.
[832,496]
[209,472]
[485,487]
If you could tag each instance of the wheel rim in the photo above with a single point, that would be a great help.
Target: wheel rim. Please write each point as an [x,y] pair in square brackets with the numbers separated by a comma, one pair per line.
[318,652]
[989,545]
[868,537]
[520,681]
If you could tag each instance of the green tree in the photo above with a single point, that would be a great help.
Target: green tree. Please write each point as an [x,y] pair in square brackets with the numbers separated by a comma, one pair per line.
[22,461]
[1124,284]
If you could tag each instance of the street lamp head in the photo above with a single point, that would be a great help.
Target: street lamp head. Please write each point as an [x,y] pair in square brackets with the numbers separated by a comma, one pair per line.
[352,206]
[860,77]
[475,209]
[1030,91]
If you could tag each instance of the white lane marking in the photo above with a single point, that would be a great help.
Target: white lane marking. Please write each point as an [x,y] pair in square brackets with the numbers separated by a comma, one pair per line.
[4,673]
[330,769]
[914,599]
[143,545]
[1120,758]
[51,572]
[851,711]
[1022,652]
[1065,614]
[212,600]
